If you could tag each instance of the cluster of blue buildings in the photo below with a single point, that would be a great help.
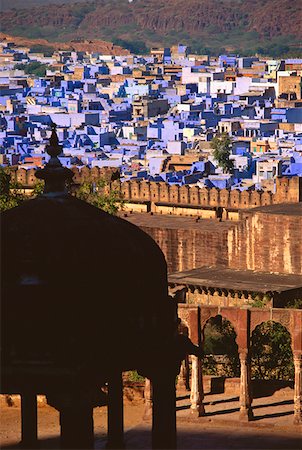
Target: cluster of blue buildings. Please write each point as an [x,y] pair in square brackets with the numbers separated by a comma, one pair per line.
[154,116]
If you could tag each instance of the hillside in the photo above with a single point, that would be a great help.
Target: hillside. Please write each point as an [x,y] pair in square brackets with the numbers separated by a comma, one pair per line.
[42,45]
[206,25]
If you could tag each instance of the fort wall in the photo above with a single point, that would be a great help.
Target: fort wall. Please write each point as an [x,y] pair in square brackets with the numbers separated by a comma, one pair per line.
[187,244]
[260,239]
[267,241]
[180,200]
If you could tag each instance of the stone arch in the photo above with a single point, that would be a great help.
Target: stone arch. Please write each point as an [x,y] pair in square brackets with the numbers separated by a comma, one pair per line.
[219,335]
[219,312]
[233,315]
[283,317]
[271,341]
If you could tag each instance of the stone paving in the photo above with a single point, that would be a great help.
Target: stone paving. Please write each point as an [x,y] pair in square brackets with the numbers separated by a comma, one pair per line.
[273,410]
[210,437]
[220,429]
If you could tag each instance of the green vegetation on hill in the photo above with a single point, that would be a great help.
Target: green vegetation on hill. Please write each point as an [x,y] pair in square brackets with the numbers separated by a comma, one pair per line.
[39,48]
[33,68]
[270,27]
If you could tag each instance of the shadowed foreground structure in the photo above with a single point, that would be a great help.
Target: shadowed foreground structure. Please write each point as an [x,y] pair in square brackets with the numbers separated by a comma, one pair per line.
[84,298]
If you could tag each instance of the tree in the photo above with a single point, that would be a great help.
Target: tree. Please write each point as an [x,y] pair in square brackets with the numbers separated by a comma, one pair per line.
[38,188]
[220,339]
[222,147]
[101,195]
[33,68]
[10,195]
[98,194]
[271,353]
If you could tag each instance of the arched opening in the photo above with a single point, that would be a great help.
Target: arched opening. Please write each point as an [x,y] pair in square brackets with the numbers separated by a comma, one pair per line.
[271,352]
[220,348]
[272,370]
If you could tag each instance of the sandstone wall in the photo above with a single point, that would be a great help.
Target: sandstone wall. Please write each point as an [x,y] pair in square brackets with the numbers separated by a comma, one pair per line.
[267,242]
[287,190]
[187,249]
[185,243]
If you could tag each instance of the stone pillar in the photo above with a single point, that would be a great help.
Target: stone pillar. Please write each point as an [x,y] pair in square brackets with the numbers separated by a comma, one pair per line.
[197,395]
[246,412]
[115,411]
[76,422]
[29,427]
[184,375]
[298,389]
[164,410]
[148,396]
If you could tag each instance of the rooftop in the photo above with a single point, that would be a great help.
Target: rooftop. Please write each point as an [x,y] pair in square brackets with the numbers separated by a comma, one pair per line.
[166,221]
[239,280]
[288,209]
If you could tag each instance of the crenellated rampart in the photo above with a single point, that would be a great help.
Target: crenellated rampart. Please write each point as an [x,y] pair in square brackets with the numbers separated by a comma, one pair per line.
[288,190]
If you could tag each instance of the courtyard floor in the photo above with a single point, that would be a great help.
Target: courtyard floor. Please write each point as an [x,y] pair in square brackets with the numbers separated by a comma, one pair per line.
[219,429]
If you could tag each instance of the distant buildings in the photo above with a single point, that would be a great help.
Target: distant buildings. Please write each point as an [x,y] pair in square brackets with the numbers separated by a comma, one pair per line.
[154,116]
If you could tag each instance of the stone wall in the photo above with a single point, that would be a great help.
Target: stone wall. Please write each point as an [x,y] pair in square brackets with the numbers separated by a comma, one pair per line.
[187,244]
[186,249]
[268,239]
[287,190]
[265,239]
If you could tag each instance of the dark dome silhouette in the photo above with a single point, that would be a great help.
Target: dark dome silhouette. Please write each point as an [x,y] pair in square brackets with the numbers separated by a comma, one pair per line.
[84,297]
[83,276]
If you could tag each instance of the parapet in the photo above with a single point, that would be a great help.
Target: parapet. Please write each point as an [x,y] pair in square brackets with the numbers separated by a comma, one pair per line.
[288,190]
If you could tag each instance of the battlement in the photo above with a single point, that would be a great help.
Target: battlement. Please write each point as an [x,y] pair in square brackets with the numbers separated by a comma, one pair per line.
[288,190]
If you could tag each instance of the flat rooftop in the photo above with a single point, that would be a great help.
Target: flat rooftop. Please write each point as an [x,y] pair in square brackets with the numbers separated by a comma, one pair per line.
[288,209]
[238,280]
[167,221]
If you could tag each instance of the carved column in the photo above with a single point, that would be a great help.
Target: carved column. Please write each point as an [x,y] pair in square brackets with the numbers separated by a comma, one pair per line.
[148,396]
[246,412]
[115,411]
[197,395]
[298,389]
[184,375]
[29,428]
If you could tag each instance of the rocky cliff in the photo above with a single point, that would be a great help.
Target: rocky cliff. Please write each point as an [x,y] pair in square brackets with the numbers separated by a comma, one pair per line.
[205,22]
